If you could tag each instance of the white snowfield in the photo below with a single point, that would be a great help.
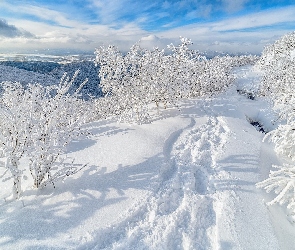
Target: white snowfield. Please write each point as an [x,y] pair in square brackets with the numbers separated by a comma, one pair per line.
[185,181]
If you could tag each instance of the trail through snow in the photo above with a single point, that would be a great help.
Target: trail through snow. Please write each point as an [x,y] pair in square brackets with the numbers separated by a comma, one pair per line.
[186,181]
[206,198]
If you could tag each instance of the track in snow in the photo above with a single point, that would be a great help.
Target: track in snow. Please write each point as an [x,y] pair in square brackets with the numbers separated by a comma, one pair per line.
[180,213]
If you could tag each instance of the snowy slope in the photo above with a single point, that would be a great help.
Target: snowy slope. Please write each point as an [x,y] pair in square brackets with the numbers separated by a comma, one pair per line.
[12,74]
[185,181]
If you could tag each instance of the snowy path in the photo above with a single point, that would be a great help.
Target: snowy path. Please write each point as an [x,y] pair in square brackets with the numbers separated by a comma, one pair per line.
[206,196]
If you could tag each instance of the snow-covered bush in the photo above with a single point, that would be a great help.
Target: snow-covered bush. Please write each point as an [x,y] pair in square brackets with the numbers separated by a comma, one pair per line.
[14,133]
[38,122]
[284,140]
[141,77]
[278,83]
[120,79]
[280,50]
[278,66]
[213,76]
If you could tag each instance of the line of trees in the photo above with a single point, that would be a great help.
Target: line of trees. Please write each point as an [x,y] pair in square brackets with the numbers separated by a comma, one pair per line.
[131,82]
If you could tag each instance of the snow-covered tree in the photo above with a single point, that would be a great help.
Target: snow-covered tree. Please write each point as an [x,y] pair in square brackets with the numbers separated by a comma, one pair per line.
[38,122]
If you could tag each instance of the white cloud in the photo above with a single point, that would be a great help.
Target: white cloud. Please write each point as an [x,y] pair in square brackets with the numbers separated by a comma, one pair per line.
[201,11]
[166,5]
[250,21]
[151,38]
[256,20]
[41,13]
[114,12]
[109,11]
[234,5]
[151,41]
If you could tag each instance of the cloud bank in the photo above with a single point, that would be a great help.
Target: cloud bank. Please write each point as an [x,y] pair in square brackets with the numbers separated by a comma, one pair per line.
[230,26]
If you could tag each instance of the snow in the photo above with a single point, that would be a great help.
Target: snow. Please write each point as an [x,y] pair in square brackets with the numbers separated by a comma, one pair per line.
[185,181]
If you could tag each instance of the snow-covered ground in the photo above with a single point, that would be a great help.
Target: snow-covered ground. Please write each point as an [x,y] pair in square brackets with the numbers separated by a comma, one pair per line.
[185,181]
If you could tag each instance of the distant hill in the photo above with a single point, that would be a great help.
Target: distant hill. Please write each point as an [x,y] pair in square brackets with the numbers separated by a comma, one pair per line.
[47,73]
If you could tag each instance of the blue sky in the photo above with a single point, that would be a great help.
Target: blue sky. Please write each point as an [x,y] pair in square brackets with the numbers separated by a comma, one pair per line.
[220,25]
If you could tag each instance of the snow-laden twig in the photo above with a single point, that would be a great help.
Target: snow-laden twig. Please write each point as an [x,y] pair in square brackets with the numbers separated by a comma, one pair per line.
[282,183]
[63,170]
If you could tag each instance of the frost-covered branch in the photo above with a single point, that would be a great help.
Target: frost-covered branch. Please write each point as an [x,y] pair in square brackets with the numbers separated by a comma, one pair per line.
[282,183]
